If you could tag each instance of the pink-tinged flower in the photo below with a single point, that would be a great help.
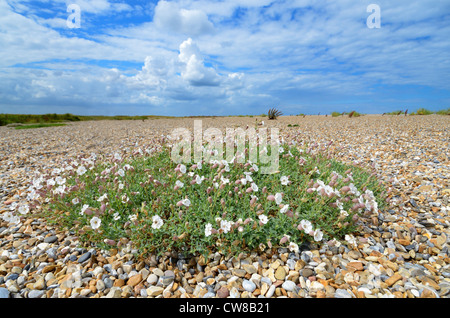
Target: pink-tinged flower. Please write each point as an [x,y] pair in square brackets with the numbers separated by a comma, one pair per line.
[110,242]
[249,190]
[344,189]
[271,197]
[284,239]
[310,190]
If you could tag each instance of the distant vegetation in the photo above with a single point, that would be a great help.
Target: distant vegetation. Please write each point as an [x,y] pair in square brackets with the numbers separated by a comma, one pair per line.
[6,119]
[351,114]
[420,111]
[32,126]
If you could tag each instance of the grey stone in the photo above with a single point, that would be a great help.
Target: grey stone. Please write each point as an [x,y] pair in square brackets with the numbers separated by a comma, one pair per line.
[4,293]
[83,258]
[342,293]
[35,293]
[248,285]
[51,239]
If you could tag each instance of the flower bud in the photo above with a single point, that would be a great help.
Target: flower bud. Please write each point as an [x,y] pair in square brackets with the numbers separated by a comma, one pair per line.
[271,197]
[344,189]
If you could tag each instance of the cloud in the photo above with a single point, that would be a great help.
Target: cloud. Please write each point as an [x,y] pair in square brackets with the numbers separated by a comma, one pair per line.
[195,72]
[232,56]
[170,17]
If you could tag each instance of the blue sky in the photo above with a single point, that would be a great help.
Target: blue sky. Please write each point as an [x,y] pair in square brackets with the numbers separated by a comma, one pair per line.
[223,57]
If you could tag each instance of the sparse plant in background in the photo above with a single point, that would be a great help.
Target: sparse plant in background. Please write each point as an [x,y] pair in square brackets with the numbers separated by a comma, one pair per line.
[274,113]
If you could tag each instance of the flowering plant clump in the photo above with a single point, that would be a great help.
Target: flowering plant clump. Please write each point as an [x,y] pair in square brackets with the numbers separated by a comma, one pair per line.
[158,205]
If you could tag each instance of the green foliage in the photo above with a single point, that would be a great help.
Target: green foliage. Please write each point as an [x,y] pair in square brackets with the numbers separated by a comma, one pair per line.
[138,190]
[335,114]
[32,126]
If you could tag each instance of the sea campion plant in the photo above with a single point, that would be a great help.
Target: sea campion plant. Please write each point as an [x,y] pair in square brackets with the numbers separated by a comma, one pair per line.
[157,205]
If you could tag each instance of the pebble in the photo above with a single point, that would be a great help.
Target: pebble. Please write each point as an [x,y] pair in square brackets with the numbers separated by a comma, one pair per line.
[4,293]
[401,252]
[248,285]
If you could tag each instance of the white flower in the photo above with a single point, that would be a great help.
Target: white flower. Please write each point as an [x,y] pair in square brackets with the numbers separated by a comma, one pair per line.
[199,179]
[75,201]
[157,222]
[284,208]
[263,218]
[121,185]
[344,213]
[81,170]
[224,180]
[95,223]
[179,184]
[278,198]
[186,202]
[199,165]
[121,172]
[60,180]
[244,181]
[293,247]
[60,190]
[13,205]
[318,235]
[350,239]
[51,182]
[117,156]
[354,190]
[254,187]
[208,229]
[84,208]
[103,197]
[125,199]
[37,183]
[255,167]
[306,225]
[56,171]
[248,177]
[182,168]
[284,180]
[11,218]
[24,209]
[225,225]
[116,216]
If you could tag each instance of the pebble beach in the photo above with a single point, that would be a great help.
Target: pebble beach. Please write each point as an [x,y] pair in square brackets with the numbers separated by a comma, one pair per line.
[403,252]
